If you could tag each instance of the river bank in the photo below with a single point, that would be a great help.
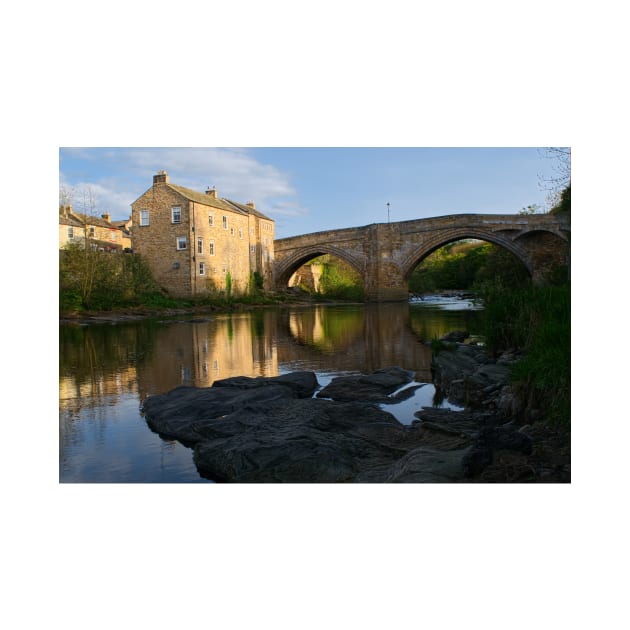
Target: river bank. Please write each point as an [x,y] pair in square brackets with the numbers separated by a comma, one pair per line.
[136,313]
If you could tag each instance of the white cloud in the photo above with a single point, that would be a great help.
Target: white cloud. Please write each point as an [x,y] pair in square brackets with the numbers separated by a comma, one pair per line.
[122,175]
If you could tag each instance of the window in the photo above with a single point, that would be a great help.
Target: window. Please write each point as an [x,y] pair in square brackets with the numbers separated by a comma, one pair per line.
[144,218]
[252,249]
[232,231]
[182,242]
[199,245]
[211,220]
[70,233]
[202,269]
[211,248]
[240,233]
[176,215]
[91,231]
[224,222]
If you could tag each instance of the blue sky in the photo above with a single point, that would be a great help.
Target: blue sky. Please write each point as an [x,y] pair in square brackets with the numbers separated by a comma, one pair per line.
[311,189]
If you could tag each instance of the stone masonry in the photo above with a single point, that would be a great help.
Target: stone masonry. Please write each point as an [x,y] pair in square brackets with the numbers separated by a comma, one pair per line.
[385,254]
[196,243]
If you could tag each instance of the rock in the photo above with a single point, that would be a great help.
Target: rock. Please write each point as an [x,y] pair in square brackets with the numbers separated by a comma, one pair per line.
[303,383]
[513,440]
[302,441]
[476,460]
[267,430]
[374,387]
[458,336]
[422,465]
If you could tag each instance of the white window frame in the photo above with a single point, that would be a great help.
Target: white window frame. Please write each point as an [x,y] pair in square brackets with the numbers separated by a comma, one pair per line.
[202,268]
[176,214]
[144,218]
[225,222]
[182,243]
[70,233]
[211,219]
[232,231]
[211,248]
[240,233]
[200,244]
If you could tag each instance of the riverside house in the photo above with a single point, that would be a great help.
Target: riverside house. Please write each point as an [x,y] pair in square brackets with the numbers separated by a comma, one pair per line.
[102,234]
[196,243]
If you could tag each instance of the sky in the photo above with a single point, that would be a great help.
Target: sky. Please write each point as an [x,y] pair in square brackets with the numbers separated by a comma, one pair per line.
[309,189]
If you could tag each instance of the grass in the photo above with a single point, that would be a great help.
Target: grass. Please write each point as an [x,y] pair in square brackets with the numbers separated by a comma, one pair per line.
[536,320]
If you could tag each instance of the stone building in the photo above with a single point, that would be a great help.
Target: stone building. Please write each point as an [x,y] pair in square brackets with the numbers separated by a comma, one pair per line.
[101,233]
[197,243]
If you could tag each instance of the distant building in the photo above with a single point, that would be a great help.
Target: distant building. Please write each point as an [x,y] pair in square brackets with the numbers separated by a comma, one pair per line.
[125,227]
[101,234]
[196,243]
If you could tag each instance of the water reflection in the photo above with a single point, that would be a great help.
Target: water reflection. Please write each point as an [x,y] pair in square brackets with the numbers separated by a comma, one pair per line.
[106,372]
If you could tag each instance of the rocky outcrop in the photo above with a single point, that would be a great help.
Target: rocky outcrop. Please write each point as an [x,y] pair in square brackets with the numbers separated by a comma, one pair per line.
[505,448]
[272,430]
[376,387]
[277,430]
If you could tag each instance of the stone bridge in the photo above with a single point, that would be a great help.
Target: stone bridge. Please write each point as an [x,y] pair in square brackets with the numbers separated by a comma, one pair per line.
[385,254]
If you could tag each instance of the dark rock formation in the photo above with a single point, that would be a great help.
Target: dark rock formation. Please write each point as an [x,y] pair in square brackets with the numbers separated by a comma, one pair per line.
[273,429]
[375,387]
[269,430]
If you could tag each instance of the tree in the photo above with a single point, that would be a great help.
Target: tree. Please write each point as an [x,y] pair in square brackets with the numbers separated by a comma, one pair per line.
[557,183]
[533,208]
[85,259]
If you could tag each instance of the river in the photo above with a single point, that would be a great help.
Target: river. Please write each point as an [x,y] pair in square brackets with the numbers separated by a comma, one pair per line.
[107,370]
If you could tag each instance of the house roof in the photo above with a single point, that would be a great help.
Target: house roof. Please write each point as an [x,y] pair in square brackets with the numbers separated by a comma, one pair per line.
[214,202]
[207,200]
[69,220]
[81,219]
[248,209]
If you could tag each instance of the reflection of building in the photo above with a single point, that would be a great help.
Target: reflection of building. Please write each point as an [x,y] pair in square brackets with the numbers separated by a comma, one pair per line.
[78,389]
[195,243]
[198,354]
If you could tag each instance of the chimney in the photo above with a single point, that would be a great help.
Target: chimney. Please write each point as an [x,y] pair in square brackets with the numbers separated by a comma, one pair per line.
[251,204]
[107,217]
[160,178]
[212,192]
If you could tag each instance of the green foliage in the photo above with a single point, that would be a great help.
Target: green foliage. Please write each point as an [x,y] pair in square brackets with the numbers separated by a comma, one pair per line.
[536,320]
[256,282]
[90,279]
[463,265]
[564,204]
[340,282]
[228,285]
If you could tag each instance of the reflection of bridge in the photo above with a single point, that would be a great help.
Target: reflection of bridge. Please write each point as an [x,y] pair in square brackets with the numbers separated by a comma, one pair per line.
[385,254]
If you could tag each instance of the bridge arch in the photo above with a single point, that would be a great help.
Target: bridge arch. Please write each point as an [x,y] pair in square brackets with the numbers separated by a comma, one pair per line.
[287,267]
[413,259]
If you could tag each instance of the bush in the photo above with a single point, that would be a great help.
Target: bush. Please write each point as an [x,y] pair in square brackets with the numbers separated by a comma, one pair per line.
[536,320]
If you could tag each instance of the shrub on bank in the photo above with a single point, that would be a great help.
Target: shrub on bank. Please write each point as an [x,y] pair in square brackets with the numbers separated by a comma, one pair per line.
[537,320]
